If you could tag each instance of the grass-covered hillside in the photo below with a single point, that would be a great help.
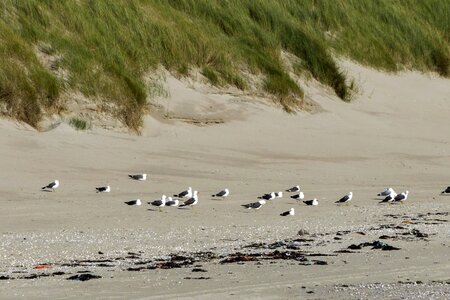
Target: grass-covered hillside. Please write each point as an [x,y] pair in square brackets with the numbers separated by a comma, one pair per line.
[105,49]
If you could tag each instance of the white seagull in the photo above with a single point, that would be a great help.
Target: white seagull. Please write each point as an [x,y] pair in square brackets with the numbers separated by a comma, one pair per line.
[171,202]
[312,202]
[290,212]
[293,189]
[299,196]
[401,197]
[140,177]
[103,189]
[346,198]
[446,191]
[386,192]
[134,202]
[52,185]
[185,194]
[255,205]
[224,193]
[191,201]
[269,196]
[389,198]
[159,203]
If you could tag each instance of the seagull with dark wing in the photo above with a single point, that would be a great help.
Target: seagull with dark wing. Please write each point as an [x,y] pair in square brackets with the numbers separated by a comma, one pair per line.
[222,194]
[401,197]
[255,205]
[312,202]
[191,201]
[293,189]
[290,212]
[172,202]
[185,194]
[103,189]
[269,196]
[140,177]
[386,192]
[134,202]
[299,196]
[52,185]
[389,198]
[346,198]
[446,191]
[160,202]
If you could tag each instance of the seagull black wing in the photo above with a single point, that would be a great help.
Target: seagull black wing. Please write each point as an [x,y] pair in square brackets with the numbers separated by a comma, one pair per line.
[343,199]
[286,213]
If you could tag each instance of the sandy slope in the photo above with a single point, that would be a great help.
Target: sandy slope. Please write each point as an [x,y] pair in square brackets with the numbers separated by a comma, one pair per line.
[395,133]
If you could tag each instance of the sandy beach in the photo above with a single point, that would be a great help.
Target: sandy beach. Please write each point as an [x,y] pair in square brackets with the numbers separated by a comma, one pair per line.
[395,133]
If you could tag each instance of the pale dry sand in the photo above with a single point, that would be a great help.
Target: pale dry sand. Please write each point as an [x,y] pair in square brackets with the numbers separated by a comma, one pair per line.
[395,133]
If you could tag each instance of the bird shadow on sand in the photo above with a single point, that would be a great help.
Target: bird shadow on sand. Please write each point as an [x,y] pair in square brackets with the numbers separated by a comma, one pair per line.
[48,191]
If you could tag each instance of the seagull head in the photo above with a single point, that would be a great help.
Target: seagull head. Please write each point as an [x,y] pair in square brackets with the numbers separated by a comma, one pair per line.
[280,194]
[262,202]
[144,176]
[292,211]
[138,202]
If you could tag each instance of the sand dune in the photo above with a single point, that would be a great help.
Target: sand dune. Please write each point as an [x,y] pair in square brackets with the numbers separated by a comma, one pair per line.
[394,133]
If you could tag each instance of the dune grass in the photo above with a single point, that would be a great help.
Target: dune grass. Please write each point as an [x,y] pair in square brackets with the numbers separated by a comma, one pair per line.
[106,47]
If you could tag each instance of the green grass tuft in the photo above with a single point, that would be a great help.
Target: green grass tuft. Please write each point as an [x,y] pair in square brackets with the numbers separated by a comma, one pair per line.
[79,124]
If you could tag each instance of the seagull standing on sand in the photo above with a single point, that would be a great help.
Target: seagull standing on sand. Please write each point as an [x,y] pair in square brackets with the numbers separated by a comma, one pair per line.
[299,196]
[293,189]
[171,202]
[159,203]
[346,198]
[446,191]
[389,198]
[191,201]
[311,202]
[52,185]
[185,194]
[103,189]
[386,192]
[224,193]
[255,205]
[269,196]
[134,202]
[290,212]
[140,177]
[401,197]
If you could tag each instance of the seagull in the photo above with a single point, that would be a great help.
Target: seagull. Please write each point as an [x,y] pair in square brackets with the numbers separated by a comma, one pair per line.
[134,202]
[293,189]
[191,201]
[299,196]
[103,189]
[171,202]
[386,192]
[255,205]
[140,177]
[52,185]
[401,197]
[346,198]
[279,195]
[224,193]
[311,202]
[389,197]
[446,191]
[159,203]
[290,212]
[187,194]
[270,196]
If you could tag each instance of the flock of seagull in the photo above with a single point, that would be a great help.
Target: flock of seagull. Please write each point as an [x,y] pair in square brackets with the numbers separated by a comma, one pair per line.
[192,196]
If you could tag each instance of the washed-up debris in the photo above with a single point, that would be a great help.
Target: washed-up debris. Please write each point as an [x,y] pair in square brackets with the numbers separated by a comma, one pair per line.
[201,278]
[4,277]
[198,270]
[84,277]
[374,245]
